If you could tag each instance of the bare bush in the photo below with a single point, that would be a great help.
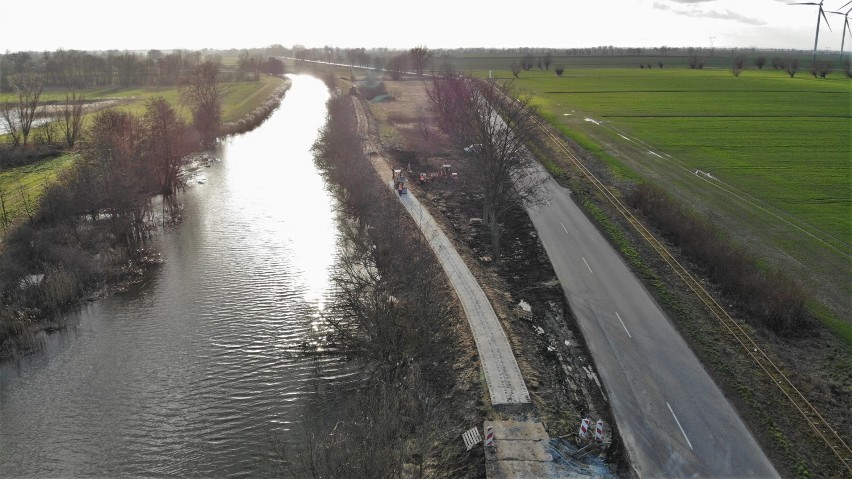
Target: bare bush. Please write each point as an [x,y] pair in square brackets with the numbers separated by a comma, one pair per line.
[773,299]
[739,65]
[392,318]
[791,66]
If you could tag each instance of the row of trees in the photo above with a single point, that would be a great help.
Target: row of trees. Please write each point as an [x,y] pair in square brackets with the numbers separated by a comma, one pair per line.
[790,65]
[80,69]
[19,116]
[392,319]
[492,127]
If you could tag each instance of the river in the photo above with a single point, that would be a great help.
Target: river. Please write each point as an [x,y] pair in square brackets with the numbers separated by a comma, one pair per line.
[187,375]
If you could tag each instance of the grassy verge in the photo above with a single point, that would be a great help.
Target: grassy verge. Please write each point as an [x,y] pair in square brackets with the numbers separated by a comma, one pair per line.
[22,186]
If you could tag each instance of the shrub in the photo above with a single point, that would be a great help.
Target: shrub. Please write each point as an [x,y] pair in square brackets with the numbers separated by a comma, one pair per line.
[774,299]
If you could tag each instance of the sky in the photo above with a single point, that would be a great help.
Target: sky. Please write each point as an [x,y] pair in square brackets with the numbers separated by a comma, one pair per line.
[194,25]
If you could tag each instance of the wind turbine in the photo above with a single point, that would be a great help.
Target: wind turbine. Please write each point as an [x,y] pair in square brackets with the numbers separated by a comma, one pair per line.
[846,27]
[821,12]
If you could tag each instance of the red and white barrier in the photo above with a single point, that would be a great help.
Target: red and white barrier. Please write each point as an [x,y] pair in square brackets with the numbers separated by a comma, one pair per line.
[584,427]
[599,431]
[489,436]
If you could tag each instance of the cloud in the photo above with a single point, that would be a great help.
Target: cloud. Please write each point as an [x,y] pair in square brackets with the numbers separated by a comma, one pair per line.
[702,13]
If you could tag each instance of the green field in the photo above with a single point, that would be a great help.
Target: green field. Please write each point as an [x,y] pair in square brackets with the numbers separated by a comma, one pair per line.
[785,141]
[24,185]
[766,157]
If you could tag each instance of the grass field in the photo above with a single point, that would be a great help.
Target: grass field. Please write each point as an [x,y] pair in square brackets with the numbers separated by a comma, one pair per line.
[24,185]
[765,156]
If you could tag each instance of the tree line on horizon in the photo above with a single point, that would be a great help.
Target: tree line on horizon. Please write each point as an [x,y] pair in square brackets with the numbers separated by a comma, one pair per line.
[81,69]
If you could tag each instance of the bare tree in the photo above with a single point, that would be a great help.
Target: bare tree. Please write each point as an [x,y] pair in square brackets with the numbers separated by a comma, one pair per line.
[759,62]
[559,71]
[19,116]
[167,143]
[738,65]
[420,57]
[547,60]
[527,61]
[696,62]
[791,66]
[26,202]
[204,93]
[248,64]
[397,66]
[4,215]
[820,69]
[115,151]
[47,131]
[71,119]
[7,112]
[273,66]
[496,127]
[516,69]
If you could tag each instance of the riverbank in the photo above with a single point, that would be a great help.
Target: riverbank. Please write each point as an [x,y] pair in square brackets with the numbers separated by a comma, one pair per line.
[82,263]
[397,318]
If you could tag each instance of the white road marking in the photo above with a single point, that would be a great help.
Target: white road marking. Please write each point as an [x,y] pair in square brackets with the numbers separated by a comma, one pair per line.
[628,139]
[564,228]
[623,326]
[679,426]
[655,154]
[587,266]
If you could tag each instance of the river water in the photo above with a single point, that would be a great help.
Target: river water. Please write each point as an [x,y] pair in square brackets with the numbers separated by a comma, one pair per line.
[187,375]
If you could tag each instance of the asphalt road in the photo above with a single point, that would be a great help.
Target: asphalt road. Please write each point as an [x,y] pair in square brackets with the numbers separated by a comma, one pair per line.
[673,419]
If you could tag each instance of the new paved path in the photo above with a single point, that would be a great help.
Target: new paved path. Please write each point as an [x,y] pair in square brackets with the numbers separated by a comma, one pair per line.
[505,383]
